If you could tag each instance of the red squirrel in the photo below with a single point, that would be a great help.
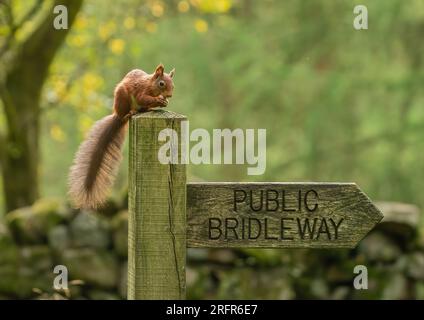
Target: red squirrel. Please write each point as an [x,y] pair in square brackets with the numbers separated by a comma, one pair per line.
[97,160]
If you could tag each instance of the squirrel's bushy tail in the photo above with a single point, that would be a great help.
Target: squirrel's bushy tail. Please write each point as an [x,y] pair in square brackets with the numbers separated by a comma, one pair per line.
[96,163]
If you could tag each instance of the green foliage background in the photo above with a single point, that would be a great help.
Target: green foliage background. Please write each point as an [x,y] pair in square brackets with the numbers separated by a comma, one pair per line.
[338,104]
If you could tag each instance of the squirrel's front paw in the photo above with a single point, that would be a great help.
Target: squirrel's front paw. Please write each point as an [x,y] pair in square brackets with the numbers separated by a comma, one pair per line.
[161,101]
[129,115]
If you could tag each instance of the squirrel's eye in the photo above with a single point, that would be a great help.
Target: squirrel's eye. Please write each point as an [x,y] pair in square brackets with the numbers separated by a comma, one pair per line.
[161,83]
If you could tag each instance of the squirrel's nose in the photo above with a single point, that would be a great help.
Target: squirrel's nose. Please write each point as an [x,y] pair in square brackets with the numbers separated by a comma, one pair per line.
[169,95]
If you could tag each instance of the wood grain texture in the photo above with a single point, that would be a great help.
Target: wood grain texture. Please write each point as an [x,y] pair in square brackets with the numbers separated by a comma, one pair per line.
[157,212]
[347,212]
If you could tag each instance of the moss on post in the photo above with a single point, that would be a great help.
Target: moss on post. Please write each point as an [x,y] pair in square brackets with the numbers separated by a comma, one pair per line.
[157,212]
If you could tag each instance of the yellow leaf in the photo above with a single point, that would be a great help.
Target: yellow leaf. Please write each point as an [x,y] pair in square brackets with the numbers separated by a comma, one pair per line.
[92,81]
[212,6]
[129,23]
[85,123]
[157,9]
[183,6]
[117,46]
[222,6]
[106,30]
[80,22]
[77,41]
[59,87]
[201,25]
[57,133]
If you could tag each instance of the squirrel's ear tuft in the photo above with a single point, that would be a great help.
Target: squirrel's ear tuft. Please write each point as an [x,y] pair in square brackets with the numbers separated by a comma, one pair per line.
[172,73]
[159,71]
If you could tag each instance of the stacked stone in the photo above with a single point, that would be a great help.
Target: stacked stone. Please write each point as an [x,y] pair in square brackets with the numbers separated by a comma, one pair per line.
[93,247]
[33,240]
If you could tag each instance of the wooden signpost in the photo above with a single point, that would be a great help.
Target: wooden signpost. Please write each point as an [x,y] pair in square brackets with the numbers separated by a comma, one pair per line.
[167,215]
[278,215]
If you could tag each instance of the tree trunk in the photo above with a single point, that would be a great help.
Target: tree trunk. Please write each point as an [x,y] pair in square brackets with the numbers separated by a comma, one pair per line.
[20,93]
[20,161]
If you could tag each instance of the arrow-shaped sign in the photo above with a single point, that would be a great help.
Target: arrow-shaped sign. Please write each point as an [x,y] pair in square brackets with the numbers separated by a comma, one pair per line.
[278,215]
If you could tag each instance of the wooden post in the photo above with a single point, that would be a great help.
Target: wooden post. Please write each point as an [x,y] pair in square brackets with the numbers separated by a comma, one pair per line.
[157,211]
